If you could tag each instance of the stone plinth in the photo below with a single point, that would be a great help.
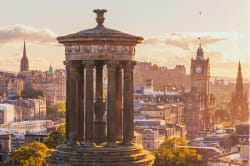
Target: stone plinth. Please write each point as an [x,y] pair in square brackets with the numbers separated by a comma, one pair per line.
[121,155]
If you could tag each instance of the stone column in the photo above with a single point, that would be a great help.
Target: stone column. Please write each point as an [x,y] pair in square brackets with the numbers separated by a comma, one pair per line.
[118,110]
[100,105]
[128,109]
[99,82]
[80,101]
[89,105]
[111,126]
[68,101]
[71,108]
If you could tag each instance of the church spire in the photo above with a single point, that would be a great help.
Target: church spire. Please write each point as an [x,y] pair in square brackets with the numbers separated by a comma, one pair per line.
[200,42]
[199,55]
[239,81]
[24,61]
[24,49]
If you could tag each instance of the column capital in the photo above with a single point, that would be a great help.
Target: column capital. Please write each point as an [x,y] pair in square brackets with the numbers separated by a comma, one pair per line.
[67,63]
[89,64]
[73,64]
[129,64]
[112,65]
[99,63]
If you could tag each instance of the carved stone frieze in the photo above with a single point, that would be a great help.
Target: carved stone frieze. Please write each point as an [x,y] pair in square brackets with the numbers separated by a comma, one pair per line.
[103,52]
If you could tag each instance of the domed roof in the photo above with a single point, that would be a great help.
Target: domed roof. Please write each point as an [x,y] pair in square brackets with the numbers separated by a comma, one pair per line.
[99,32]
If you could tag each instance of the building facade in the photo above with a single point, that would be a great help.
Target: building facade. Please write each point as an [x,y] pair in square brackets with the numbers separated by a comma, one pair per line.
[160,75]
[51,82]
[6,113]
[5,148]
[199,103]
[30,109]
[151,140]
[11,86]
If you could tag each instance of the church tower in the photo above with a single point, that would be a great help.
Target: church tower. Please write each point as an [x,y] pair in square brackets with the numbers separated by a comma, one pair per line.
[239,99]
[24,61]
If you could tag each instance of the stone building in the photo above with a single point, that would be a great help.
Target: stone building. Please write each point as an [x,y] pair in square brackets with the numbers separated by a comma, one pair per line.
[242,132]
[239,158]
[6,113]
[151,139]
[5,148]
[160,75]
[15,87]
[30,138]
[87,52]
[30,126]
[154,112]
[10,86]
[30,109]
[51,82]
[239,101]
[199,102]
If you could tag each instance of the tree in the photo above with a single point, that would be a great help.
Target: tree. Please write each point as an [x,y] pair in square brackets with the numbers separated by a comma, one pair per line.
[57,110]
[30,155]
[31,93]
[175,152]
[56,137]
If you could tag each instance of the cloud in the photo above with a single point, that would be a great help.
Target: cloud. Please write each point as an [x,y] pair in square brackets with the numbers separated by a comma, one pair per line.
[20,32]
[9,62]
[189,41]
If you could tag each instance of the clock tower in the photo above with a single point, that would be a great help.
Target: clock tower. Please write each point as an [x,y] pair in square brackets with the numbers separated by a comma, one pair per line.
[199,103]
[200,73]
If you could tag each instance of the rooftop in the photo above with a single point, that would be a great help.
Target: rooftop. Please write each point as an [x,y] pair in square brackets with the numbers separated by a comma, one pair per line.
[100,32]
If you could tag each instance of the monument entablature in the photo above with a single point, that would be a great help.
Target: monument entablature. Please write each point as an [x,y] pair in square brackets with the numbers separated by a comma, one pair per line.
[99,52]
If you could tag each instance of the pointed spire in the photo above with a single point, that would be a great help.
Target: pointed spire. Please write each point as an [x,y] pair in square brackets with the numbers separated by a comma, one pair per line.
[199,55]
[239,74]
[239,81]
[239,67]
[200,41]
[24,61]
[24,49]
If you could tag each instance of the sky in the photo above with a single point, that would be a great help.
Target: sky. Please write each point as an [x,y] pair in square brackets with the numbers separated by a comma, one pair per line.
[170,30]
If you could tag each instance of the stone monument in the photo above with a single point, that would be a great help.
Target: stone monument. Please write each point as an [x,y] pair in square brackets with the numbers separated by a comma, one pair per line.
[90,139]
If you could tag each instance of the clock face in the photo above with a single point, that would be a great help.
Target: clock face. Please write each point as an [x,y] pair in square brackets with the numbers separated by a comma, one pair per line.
[198,69]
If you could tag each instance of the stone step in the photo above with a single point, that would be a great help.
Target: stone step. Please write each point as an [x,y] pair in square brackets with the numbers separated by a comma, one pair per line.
[110,157]
[106,156]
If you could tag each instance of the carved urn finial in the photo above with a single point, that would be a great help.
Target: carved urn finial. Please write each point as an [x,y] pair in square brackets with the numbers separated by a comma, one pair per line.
[100,16]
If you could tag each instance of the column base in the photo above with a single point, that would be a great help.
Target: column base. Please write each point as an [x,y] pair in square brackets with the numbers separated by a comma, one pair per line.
[66,147]
[100,132]
[133,155]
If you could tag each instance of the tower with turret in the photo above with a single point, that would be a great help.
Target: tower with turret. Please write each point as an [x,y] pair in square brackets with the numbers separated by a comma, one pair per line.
[199,102]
